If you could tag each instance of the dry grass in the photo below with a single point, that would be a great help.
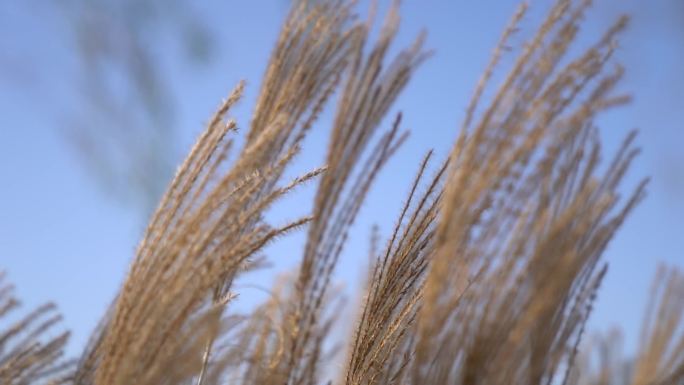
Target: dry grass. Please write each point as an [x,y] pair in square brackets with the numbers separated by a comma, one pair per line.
[488,277]
[660,355]
[29,353]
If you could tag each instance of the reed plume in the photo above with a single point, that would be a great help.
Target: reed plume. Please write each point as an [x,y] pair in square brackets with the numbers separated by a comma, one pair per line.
[660,353]
[30,351]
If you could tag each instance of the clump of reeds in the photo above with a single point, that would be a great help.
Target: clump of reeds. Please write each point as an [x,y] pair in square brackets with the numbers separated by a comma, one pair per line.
[660,353]
[29,352]
[489,275]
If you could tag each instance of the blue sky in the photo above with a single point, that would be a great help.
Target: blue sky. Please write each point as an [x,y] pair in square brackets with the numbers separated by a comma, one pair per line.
[61,239]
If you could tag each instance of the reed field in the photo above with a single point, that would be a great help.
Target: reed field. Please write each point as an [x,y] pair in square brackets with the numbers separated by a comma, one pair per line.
[488,277]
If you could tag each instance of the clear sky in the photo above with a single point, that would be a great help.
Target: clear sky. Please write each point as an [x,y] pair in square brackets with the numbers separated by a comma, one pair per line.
[61,239]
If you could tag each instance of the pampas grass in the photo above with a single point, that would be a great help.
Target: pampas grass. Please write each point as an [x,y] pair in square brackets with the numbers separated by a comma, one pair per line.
[30,350]
[488,277]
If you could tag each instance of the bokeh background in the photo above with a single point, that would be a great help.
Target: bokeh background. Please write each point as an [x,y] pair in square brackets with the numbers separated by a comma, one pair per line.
[100,99]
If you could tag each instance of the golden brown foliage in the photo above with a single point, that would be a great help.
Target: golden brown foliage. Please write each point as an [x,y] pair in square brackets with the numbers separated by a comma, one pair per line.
[489,275]
[29,353]
[660,355]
